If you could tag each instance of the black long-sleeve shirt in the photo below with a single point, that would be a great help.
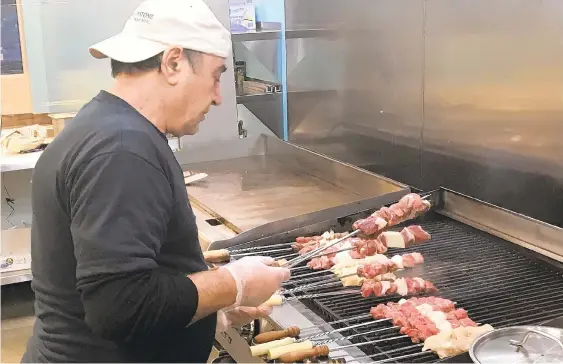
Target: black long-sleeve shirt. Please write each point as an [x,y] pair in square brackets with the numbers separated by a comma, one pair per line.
[113,238]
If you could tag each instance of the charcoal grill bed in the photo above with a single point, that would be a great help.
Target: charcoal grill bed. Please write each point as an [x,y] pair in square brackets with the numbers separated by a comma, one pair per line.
[496,280]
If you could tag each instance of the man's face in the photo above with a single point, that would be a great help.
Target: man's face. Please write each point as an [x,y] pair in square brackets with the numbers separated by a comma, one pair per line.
[196,90]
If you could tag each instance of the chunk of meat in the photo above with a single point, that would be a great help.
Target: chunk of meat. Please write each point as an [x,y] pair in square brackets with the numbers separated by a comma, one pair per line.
[371,225]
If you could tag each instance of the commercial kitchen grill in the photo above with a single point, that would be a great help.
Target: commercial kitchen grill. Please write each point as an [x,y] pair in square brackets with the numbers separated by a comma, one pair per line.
[496,280]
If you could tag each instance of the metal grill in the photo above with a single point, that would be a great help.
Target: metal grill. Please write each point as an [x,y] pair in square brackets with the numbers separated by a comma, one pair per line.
[495,281]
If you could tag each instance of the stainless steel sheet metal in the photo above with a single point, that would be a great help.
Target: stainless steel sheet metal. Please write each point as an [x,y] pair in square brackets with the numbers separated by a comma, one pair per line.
[280,181]
[465,94]
[361,85]
[493,102]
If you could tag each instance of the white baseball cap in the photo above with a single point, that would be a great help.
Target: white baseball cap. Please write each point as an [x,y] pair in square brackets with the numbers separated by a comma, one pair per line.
[158,24]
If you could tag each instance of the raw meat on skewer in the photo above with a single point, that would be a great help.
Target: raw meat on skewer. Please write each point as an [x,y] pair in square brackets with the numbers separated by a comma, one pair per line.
[401,286]
[408,207]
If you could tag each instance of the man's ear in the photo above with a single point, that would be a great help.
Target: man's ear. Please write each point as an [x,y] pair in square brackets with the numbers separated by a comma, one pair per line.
[171,66]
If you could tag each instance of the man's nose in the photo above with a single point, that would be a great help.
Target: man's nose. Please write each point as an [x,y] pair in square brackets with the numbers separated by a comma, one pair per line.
[217,99]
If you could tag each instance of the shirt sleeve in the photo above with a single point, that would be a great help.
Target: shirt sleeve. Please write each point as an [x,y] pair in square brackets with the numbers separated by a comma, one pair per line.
[120,206]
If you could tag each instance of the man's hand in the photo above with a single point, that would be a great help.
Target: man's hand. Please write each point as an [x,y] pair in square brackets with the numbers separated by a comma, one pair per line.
[240,316]
[256,281]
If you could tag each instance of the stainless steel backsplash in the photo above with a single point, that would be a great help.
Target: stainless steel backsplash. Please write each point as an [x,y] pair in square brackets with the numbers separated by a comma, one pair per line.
[466,94]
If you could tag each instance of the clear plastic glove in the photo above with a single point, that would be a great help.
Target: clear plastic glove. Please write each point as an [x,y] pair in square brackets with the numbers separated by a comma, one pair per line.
[240,316]
[256,281]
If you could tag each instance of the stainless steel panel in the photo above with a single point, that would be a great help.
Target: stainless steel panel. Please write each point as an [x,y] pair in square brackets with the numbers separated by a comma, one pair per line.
[267,108]
[492,96]
[276,180]
[236,346]
[355,88]
[293,313]
[261,58]
[529,233]
[494,102]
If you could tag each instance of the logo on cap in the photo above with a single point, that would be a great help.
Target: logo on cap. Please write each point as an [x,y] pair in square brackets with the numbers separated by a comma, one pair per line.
[143,17]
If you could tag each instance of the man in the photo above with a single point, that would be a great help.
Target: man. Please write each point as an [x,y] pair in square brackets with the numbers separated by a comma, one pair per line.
[118,271]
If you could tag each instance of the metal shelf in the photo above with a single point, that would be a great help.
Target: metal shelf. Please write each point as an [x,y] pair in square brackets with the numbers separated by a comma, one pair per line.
[259,97]
[19,162]
[256,35]
[310,33]
[17,276]
[276,34]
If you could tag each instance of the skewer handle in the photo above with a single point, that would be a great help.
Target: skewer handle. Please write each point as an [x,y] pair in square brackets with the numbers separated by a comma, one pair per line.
[279,263]
[292,331]
[275,300]
[217,256]
[298,356]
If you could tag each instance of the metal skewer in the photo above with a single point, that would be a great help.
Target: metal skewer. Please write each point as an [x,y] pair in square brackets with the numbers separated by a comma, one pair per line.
[356,318]
[328,341]
[329,253]
[294,269]
[314,253]
[370,342]
[324,273]
[242,250]
[319,281]
[304,257]
[309,280]
[315,336]
[337,293]
[323,350]
[382,353]
[336,252]
[316,295]
[319,255]
[262,252]
[316,285]
[288,256]
[401,357]
[315,273]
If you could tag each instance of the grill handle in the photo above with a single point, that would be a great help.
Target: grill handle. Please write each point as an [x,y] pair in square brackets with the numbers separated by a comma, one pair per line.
[296,357]
[520,344]
[266,337]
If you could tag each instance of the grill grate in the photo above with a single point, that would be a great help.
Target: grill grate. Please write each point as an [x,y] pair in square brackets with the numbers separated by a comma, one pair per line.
[492,279]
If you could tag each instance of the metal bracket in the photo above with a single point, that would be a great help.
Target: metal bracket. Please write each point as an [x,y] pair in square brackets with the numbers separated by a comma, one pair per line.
[242,133]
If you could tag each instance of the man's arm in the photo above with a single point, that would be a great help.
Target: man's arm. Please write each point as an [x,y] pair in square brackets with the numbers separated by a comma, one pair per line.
[216,290]
[120,208]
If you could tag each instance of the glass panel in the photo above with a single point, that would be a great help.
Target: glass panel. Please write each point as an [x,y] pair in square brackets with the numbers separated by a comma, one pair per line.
[63,74]
[58,33]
